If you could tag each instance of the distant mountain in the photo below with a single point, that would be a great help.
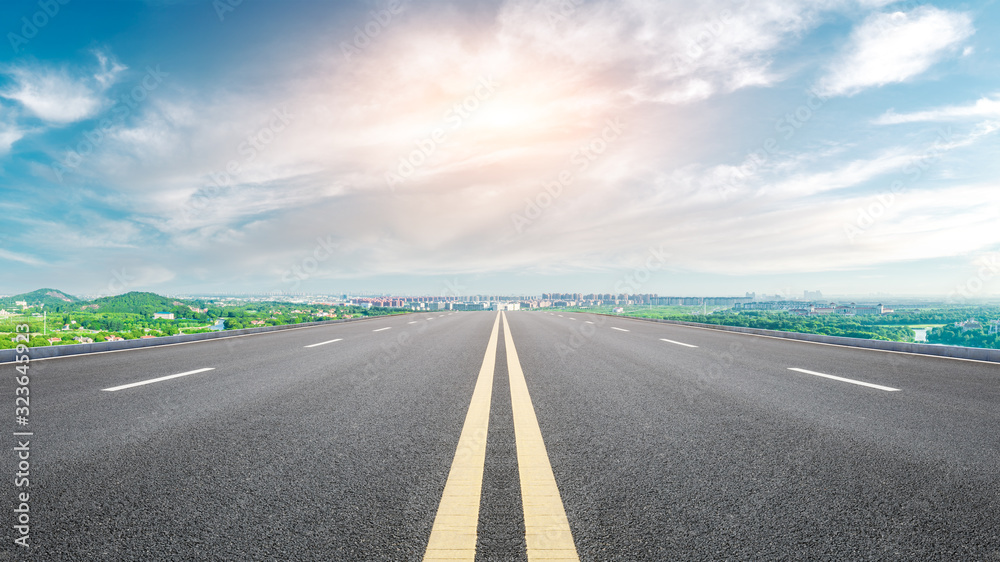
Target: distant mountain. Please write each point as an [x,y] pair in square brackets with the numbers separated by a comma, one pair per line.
[147,304]
[50,298]
[138,303]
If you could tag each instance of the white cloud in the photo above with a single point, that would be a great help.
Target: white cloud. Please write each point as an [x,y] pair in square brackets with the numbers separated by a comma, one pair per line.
[8,136]
[10,131]
[800,175]
[556,84]
[147,275]
[662,53]
[110,68]
[87,231]
[849,174]
[558,79]
[58,95]
[53,96]
[983,108]
[894,47]
[22,258]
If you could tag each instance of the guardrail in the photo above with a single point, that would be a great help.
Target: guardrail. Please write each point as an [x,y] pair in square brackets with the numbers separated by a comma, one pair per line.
[954,351]
[47,352]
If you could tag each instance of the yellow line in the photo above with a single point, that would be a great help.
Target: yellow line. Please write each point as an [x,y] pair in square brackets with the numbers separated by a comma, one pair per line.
[546,527]
[453,536]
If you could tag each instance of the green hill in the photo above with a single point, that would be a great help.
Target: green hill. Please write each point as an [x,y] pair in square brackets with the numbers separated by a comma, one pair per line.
[139,303]
[50,298]
[146,304]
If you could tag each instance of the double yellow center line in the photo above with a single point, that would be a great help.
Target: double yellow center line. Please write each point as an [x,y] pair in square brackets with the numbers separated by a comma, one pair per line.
[453,536]
[547,532]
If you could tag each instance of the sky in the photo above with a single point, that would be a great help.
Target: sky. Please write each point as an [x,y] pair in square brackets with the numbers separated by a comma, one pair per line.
[511,147]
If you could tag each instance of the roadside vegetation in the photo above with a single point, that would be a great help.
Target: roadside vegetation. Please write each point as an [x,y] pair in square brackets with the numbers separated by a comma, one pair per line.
[939,322]
[59,319]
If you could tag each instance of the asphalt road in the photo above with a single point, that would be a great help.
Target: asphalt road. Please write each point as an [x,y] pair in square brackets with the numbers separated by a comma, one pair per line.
[665,442]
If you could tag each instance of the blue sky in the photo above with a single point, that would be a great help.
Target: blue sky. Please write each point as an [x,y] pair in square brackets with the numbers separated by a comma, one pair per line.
[500,147]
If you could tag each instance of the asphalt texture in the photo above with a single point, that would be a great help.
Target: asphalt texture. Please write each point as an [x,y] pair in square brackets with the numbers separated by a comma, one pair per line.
[501,516]
[660,451]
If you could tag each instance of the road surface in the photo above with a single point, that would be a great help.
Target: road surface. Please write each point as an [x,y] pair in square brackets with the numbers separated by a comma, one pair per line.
[533,436]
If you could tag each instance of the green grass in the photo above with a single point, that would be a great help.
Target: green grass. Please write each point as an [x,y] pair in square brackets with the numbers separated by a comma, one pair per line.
[647,311]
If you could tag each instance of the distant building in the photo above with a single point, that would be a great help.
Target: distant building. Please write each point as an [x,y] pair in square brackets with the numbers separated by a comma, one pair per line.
[81,339]
[969,324]
[994,326]
[798,307]
[53,341]
[114,338]
[767,305]
[812,295]
[861,309]
[163,316]
[872,309]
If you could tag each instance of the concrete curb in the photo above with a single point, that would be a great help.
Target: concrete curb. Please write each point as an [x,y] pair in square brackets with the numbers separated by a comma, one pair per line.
[953,351]
[35,353]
